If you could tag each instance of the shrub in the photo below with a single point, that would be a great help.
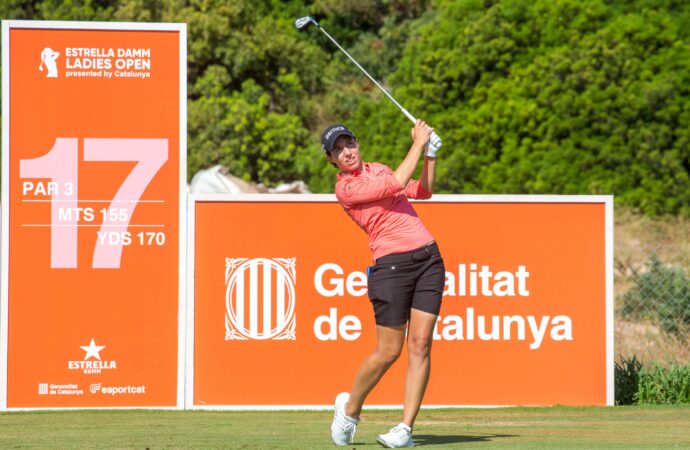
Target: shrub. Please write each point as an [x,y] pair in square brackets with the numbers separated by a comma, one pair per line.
[627,374]
[659,385]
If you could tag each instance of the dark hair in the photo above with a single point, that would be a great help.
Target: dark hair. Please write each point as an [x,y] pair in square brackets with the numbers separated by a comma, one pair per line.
[328,157]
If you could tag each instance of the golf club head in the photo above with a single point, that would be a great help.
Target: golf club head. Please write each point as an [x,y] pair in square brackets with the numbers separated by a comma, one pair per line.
[304,22]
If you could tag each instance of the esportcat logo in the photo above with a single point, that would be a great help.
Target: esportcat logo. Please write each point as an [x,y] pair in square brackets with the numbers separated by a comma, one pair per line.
[117,390]
[260,299]
[87,365]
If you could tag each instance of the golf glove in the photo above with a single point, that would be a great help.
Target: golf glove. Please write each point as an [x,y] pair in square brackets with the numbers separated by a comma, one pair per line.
[433,146]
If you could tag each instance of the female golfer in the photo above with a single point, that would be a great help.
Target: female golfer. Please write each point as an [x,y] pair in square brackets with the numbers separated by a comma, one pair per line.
[406,282]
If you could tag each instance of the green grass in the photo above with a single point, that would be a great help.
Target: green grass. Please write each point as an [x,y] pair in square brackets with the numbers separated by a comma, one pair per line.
[557,427]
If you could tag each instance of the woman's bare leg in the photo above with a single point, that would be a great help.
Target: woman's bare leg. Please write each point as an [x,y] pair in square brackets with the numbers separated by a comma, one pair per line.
[389,342]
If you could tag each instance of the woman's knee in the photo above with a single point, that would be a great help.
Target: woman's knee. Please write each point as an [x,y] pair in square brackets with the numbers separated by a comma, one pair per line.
[419,347]
[389,354]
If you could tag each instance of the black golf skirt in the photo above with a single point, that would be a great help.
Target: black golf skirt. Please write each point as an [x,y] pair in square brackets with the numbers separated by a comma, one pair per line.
[400,282]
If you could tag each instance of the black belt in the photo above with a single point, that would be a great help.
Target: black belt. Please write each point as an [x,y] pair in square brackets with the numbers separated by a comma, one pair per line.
[417,255]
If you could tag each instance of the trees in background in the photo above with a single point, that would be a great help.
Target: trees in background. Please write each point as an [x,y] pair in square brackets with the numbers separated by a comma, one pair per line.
[553,97]
[530,96]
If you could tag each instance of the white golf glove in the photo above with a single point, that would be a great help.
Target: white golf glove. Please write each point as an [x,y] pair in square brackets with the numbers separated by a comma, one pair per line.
[434,145]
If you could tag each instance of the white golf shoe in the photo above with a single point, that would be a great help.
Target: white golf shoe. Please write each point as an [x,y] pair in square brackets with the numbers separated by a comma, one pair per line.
[399,436]
[343,428]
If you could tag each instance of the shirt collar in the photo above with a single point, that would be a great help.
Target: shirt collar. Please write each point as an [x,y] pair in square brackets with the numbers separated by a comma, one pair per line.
[356,173]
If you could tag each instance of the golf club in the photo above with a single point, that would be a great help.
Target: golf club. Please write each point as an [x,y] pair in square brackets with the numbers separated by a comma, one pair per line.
[304,22]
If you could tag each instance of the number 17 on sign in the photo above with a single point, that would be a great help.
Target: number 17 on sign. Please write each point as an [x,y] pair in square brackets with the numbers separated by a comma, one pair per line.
[61,166]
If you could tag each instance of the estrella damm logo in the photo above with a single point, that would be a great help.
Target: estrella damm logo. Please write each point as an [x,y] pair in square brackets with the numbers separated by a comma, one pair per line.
[260,298]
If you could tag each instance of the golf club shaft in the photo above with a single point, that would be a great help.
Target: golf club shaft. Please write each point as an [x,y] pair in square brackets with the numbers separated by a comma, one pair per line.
[404,111]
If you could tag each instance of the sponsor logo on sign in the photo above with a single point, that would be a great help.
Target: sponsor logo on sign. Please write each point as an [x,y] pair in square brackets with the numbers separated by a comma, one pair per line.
[59,389]
[89,366]
[48,62]
[117,390]
[107,63]
[260,299]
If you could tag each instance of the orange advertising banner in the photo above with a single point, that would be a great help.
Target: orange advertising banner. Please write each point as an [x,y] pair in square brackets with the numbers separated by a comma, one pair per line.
[93,177]
[281,316]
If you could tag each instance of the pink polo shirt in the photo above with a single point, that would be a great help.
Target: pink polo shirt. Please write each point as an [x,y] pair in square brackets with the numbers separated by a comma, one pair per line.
[374,199]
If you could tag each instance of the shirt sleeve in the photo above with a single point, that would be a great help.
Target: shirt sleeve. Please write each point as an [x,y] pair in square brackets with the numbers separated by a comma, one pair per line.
[354,190]
[415,190]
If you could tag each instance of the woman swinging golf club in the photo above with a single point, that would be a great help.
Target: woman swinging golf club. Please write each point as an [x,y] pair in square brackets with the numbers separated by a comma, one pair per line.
[405,285]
